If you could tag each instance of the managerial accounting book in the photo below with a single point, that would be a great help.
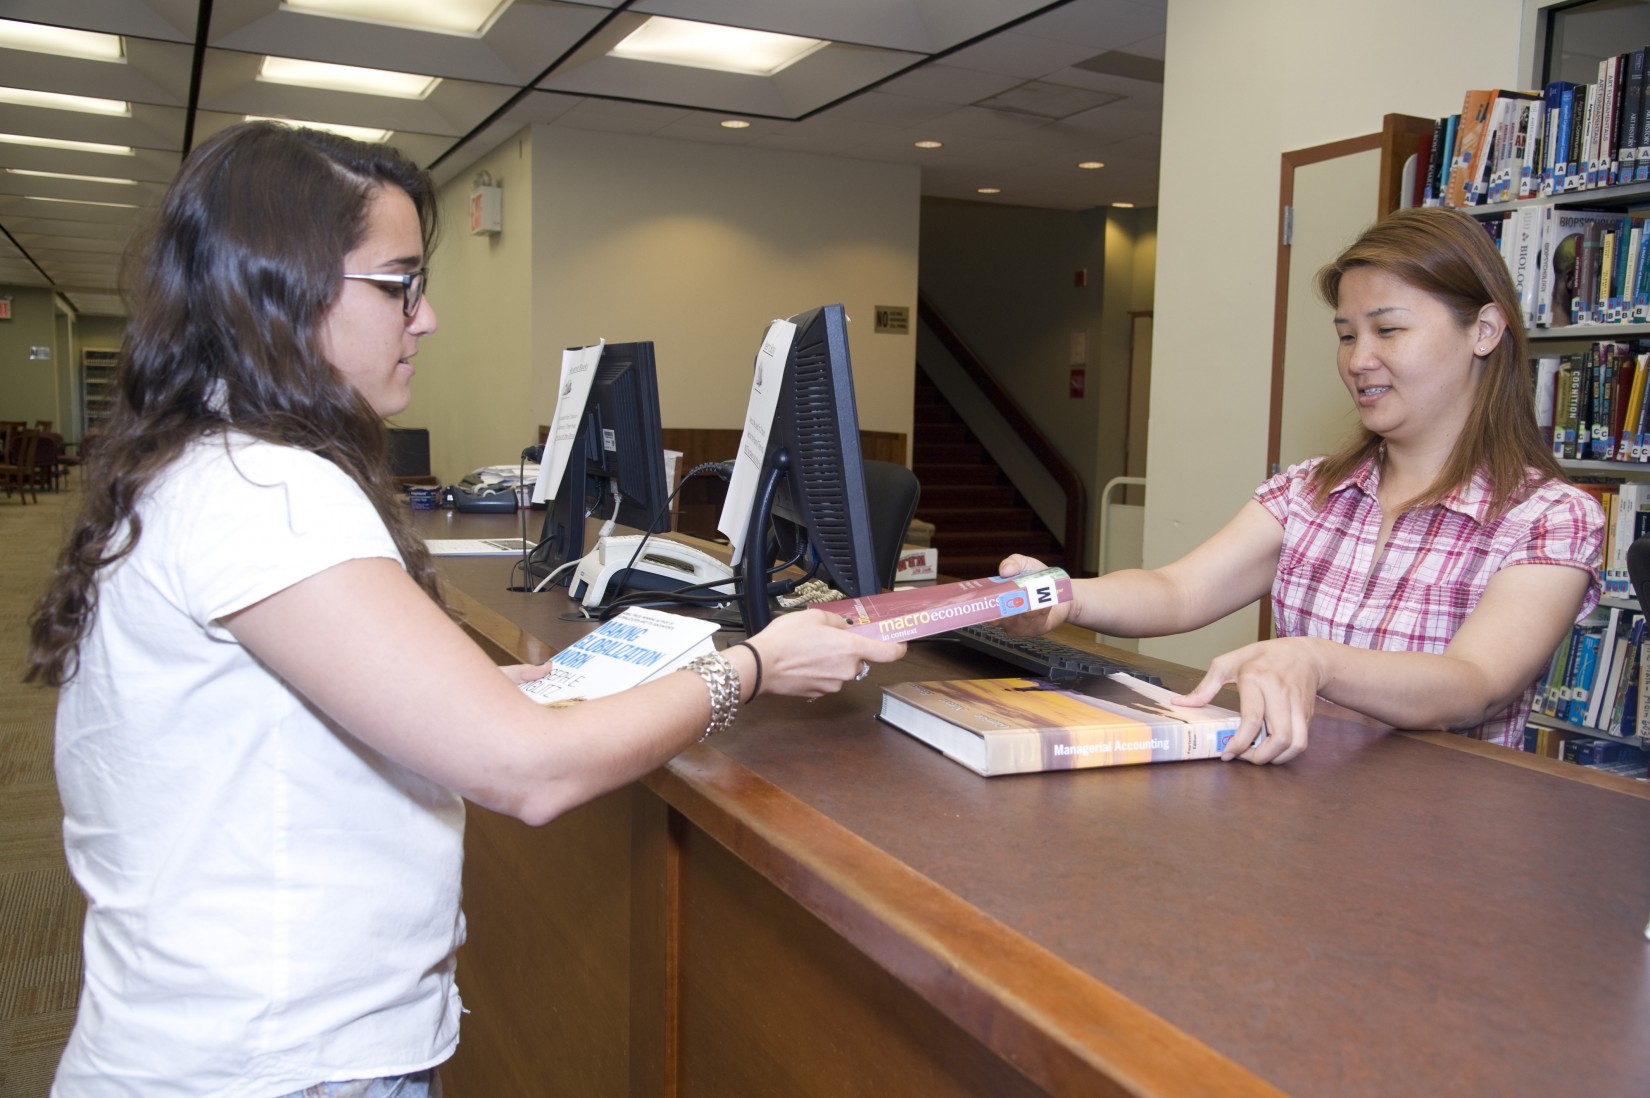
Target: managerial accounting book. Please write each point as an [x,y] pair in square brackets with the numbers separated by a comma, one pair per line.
[1020,726]
[926,611]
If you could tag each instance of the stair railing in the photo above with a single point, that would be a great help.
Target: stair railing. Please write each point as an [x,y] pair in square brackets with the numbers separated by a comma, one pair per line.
[1059,470]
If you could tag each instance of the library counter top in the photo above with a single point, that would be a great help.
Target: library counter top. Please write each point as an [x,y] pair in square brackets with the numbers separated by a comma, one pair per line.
[813,902]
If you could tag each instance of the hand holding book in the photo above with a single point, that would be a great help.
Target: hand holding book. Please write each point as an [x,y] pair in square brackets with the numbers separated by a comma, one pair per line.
[1278,682]
[1037,622]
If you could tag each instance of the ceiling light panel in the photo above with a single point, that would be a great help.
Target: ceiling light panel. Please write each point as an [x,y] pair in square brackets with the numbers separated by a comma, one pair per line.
[71,146]
[75,178]
[81,202]
[359,133]
[345,78]
[720,49]
[57,101]
[61,41]
[466,17]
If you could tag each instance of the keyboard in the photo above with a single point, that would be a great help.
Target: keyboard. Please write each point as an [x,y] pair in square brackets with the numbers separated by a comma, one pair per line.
[1043,658]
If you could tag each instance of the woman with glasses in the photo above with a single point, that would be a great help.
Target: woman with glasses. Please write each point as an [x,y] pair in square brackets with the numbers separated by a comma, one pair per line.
[1425,572]
[268,722]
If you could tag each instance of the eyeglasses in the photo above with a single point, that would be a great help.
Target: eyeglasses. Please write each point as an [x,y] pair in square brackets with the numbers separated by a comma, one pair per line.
[412,286]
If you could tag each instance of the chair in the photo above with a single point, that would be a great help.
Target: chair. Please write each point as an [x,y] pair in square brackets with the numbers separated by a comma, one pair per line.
[17,471]
[67,461]
[48,452]
[410,456]
[892,491]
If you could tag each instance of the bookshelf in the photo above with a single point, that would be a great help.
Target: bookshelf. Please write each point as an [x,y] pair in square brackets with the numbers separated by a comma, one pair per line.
[97,379]
[1624,199]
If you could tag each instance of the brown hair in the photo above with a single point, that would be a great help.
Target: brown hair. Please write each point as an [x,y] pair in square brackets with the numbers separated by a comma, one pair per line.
[1450,256]
[227,293]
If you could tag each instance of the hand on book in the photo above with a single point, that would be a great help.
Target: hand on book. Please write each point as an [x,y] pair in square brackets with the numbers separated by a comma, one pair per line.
[1278,682]
[525,672]
[807,653]
[1037,622]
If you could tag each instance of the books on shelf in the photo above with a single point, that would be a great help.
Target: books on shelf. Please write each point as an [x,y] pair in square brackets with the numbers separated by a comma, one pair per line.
[636,646]
[1564,138]
[1019,726]
[1595,678]
[926,611]
[1596,402]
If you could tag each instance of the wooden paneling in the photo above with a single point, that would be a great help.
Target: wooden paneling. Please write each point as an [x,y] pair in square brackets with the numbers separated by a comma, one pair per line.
[700,504]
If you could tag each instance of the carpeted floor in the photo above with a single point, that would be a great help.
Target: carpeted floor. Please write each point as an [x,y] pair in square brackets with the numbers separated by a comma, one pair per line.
[40,908]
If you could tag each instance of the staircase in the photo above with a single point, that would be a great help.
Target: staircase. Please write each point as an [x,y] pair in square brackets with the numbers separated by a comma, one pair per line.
[979,518]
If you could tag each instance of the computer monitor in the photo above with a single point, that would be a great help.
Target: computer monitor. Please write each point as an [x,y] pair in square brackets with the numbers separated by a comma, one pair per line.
[810,495]
[619,448]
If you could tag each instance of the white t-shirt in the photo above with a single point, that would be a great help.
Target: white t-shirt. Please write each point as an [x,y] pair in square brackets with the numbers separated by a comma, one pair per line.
[272,902]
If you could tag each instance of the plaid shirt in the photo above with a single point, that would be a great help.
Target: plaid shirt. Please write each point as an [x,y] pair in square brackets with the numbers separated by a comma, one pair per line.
[1433,571]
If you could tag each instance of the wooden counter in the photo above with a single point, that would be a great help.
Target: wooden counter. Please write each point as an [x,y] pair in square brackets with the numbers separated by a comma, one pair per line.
[815,903]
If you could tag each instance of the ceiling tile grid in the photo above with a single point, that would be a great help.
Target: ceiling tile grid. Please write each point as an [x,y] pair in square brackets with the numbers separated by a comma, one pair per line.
[1017,92]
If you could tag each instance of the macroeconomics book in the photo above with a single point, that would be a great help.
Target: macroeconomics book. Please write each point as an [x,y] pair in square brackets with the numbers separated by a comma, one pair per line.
[924,612]
[636,646]
[1020,726]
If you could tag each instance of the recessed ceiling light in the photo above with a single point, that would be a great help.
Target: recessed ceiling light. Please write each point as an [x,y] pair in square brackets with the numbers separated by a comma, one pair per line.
[990,190]
[57,101]
[1123,205]
[1091,165]
[929,145]
[81,202]
[359,133]
[72,146]
[734,124]
[467,17]
[345,78]
[76,178]
[38,38]
[706,46]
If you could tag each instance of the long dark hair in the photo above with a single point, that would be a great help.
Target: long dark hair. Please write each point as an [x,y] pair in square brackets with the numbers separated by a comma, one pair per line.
[226,294]
[1450,256]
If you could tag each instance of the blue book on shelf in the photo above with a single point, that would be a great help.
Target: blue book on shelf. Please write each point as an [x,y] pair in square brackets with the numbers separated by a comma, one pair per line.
[1582,684]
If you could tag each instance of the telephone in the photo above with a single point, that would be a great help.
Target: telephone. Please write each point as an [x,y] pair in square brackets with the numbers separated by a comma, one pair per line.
[664,565]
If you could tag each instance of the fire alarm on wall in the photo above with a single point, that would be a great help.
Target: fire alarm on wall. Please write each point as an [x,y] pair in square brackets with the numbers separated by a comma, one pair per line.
[486,206]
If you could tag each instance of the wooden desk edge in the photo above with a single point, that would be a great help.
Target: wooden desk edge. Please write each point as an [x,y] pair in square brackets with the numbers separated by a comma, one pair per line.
[1057,1025]
[1557,768]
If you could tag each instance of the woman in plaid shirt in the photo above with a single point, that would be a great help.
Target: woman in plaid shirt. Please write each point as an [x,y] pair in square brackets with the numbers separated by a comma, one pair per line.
[1390,563]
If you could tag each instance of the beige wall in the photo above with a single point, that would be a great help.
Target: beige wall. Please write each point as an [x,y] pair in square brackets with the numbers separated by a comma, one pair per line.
[698,246]
[31,389]
[1306,73]
[473,375]
[695,247]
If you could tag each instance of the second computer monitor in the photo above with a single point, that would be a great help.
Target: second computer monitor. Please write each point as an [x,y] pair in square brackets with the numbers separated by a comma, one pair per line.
[812,484]
[618,456]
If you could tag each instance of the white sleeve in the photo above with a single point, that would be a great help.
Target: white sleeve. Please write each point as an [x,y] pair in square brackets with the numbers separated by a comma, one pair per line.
[230,527]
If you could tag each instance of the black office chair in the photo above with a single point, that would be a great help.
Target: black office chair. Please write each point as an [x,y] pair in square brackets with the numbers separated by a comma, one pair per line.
[892,491]
[1638,571]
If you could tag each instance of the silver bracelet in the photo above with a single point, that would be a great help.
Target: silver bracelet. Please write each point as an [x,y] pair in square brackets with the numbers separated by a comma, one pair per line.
[722,680]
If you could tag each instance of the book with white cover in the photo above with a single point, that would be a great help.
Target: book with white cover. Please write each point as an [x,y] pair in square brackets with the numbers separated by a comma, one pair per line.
[636,646]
